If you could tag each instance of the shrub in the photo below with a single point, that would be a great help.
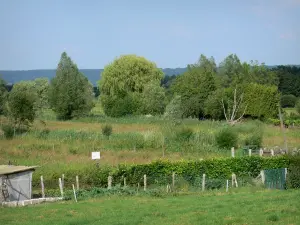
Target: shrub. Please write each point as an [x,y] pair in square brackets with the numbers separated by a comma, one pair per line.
[107,130]
[8,131]
[221,169]
[293,176]
[288,101]
[226,138]
[73,150]
[254,140]
[184,134]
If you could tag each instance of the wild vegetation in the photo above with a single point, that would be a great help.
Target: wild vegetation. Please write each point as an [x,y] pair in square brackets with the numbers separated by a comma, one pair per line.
[141,116]
[145,123]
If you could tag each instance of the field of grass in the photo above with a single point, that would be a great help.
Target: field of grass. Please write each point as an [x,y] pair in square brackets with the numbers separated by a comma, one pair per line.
[240,207]
[59,145]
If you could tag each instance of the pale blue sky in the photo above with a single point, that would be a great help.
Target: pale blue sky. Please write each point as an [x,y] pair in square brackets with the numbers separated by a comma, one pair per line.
[33,33]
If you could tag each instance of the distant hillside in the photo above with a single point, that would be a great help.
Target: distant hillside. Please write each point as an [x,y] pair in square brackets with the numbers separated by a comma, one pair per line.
[14,76]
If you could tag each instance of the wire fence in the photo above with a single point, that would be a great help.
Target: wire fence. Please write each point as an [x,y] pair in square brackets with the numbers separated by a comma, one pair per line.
[156,184]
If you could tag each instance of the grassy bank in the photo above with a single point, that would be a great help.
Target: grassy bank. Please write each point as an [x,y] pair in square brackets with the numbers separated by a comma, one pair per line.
[242,207]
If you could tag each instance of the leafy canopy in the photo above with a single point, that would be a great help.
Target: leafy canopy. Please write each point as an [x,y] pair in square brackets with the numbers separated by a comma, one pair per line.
[70,93]
[195,85]
[21,104]
[123,86]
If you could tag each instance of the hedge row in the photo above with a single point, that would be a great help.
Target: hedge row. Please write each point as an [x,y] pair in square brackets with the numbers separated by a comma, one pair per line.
[213,168]
[287,122]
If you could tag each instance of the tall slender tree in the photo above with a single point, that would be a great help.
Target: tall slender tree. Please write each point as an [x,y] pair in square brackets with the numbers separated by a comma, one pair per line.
[70,93]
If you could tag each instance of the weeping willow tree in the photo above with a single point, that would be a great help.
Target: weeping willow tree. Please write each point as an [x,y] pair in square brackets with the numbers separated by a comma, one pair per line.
[123,83]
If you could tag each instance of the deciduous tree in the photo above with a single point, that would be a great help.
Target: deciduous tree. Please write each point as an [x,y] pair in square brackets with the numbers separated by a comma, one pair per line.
[70,93]
[124,80]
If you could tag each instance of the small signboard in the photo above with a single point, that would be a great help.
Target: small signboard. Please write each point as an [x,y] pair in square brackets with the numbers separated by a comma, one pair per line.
[95,155]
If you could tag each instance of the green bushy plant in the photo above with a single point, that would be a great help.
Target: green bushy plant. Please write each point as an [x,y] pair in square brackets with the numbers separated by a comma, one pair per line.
[107,130]
[288,101]
[254,139]
[293,176]
[184,134]
[8,131]
[220,169]
[226,138]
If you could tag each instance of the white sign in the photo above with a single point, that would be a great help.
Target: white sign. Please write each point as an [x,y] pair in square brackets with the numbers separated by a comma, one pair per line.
[95,155]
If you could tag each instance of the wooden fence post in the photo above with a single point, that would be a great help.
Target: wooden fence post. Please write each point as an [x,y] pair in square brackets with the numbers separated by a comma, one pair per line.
[109,181]
[234,180]
[232,152]
[285,172]
[250,152]
[61,187]
[261,152]
[125,182]
[77,183]
[203,182]
[272,152]
[173,180]
[227,185]
[43,188]
[145,182]
[74,193]
[262,174]
[63,180]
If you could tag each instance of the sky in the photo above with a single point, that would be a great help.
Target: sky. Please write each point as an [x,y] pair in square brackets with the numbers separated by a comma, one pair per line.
[34,33]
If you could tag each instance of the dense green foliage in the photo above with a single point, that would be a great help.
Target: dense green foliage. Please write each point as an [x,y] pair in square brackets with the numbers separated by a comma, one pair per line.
[107,130]
[213,105]
[289,80]
[21,104]
[3,95]
[293,176]
[227,138]
[288,101]
[70,93]
[195,85]
[132,80]
[221,168]
[261,101]
[234,73]
[8,131]
[254,140]
[153,99]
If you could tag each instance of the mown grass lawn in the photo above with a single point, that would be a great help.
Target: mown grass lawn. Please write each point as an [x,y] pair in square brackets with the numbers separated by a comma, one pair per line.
[251,207]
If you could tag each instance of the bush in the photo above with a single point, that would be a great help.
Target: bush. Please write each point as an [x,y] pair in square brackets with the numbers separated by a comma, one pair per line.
[254,140]
[184,134]
[227,138]
[221,168]
[293,176]
[107,130]
[8,131]
[288,101]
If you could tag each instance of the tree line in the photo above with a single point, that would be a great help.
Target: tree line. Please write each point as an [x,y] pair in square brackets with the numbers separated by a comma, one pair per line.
[133,85]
